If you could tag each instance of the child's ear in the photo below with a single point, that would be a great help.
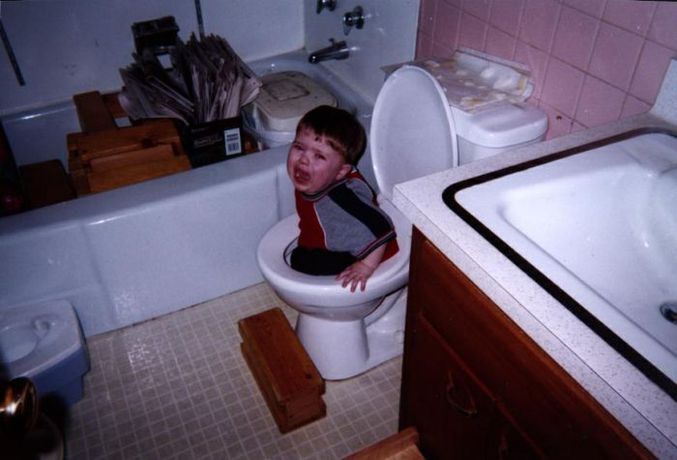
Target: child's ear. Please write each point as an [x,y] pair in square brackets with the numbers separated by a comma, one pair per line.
[343,171]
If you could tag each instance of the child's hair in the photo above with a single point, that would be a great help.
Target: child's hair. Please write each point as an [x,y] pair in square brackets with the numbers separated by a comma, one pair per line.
[342,130]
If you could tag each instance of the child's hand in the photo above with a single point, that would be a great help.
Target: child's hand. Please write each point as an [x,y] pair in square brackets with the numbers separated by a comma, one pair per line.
[356,274]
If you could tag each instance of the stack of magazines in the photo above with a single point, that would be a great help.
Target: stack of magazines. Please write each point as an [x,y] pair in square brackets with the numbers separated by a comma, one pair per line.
[208,81]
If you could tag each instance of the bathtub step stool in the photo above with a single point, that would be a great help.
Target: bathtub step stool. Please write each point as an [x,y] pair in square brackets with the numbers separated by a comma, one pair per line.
[285,374]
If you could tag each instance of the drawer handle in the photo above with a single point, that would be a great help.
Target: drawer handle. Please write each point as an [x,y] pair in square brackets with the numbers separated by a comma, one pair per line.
[470,410]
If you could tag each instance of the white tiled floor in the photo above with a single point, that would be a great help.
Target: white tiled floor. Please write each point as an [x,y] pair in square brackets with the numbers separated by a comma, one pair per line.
[178,387]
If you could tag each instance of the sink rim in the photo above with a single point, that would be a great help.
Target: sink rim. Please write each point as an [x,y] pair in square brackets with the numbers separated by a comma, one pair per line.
[650,370]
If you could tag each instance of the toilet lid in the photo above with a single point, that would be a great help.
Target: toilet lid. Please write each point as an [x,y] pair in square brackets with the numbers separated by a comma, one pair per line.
[412,130]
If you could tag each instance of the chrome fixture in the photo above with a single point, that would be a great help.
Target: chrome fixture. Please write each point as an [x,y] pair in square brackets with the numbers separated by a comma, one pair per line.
[337,50]
[322,4]
[19,406]
[352,19]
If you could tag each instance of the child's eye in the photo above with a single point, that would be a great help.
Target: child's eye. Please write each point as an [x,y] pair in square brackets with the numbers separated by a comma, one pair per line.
[319,156]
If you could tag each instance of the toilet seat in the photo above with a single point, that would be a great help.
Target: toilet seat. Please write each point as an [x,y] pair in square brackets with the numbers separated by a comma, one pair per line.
[324,291]
[413,133]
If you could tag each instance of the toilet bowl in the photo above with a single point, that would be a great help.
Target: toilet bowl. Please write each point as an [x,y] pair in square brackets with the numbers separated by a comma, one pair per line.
[413,134]
[337,327]
[44,343]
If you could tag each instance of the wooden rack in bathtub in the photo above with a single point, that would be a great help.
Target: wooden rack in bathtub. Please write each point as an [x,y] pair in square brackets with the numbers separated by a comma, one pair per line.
[104,156]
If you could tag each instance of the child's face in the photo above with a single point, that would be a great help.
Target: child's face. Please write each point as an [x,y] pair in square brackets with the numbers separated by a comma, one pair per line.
[313,164]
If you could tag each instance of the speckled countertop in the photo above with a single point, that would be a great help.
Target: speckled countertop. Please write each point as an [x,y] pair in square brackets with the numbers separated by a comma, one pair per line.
[647,411]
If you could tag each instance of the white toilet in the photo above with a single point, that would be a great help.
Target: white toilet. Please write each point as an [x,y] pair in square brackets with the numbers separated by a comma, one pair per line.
[413,134]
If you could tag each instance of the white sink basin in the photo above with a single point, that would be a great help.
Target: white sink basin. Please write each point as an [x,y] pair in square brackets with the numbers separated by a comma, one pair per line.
[601,226]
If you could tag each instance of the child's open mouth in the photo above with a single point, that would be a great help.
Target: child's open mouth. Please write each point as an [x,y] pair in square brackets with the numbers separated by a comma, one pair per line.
[301,177]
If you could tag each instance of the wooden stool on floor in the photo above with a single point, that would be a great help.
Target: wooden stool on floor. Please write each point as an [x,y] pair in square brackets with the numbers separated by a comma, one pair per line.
[285,374]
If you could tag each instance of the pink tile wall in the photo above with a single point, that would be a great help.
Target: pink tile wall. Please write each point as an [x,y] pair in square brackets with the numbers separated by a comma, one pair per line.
[593,61]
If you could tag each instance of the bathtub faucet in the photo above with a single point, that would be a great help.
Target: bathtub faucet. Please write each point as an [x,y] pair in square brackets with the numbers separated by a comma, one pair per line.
[337,50]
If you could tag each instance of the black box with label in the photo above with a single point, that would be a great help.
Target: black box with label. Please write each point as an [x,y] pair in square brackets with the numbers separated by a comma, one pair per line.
[214,141]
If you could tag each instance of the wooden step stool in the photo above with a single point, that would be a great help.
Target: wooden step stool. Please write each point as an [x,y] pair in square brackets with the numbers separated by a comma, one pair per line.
[287,378]
[103,157]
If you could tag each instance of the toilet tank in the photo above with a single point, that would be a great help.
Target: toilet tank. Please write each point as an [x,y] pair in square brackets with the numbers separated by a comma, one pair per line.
[493,130]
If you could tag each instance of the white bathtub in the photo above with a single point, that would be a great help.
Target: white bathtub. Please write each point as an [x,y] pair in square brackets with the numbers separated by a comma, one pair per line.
[141,251]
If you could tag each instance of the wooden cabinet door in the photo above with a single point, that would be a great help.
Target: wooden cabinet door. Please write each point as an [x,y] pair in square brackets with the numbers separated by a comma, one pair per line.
[506,442]
[536,396]
[453,414]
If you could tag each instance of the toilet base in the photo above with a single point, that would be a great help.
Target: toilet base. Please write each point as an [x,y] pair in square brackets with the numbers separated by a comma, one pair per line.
[344,349]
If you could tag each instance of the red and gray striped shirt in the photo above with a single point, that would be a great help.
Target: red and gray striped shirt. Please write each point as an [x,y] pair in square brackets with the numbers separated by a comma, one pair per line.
[345,217]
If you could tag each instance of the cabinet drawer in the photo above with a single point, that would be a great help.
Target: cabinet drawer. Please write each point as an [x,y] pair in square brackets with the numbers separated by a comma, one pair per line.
[540,396]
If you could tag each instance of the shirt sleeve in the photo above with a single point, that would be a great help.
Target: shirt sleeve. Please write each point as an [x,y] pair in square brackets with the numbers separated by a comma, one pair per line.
[352,221]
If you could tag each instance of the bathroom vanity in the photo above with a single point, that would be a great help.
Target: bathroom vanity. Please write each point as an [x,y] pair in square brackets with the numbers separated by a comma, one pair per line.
[496,366]
[475,385]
